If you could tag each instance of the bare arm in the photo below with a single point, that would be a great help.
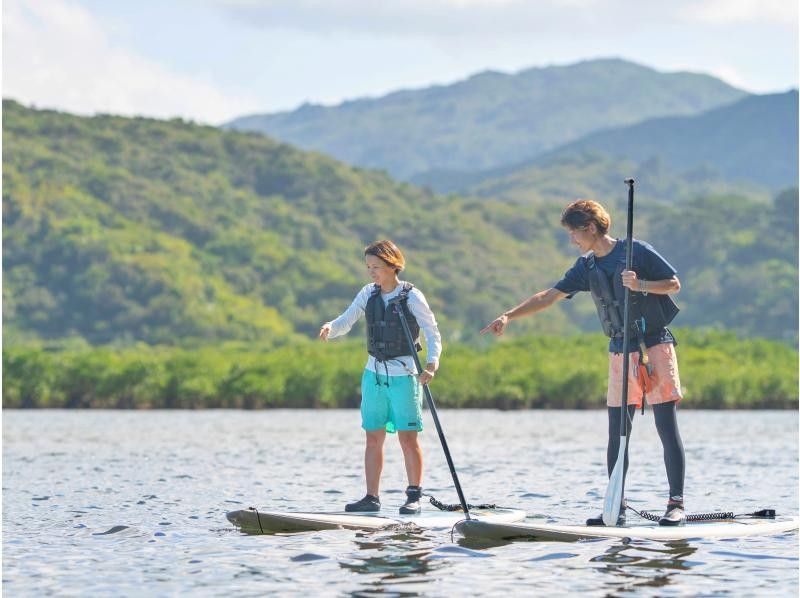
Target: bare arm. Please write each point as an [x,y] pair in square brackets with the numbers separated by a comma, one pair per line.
[535,303]
[668,286]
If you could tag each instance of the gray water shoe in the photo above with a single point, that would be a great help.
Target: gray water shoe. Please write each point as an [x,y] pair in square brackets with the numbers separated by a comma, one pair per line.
[412,506]
[368,504]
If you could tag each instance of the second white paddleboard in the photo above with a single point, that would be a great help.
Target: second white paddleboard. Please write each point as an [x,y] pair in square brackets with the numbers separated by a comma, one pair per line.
[266,522]
[531,531]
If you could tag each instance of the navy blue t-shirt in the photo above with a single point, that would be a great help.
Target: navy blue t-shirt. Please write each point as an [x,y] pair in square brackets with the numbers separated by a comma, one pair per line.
[648,265]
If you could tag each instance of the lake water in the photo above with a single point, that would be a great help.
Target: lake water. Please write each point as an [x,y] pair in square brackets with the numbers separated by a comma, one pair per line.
[122,503]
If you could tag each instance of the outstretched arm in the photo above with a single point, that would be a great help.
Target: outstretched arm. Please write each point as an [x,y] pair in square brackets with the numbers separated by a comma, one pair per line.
[342,324]
[535,303]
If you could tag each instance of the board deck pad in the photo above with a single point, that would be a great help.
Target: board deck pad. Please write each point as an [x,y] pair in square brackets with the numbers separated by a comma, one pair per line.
[531,531]
[269,522]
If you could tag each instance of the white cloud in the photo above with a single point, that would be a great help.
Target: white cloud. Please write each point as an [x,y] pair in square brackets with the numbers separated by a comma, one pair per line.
[212,60]
[712,36]
[413,18]
[57,54]
[728,12]
[470,18]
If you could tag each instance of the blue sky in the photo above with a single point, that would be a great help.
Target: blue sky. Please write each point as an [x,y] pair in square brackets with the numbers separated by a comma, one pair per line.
[213,60]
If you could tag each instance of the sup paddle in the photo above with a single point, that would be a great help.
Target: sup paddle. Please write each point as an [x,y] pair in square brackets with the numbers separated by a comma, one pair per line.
[429,397]
[616,482]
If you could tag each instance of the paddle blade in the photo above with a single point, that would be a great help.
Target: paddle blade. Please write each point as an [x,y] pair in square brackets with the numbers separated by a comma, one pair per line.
[615,484]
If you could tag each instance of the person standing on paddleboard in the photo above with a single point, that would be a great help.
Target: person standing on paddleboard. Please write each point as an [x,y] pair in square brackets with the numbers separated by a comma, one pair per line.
[391,388]
[653,370]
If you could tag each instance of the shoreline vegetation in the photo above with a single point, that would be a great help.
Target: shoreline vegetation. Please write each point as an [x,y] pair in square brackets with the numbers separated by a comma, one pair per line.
[718,371]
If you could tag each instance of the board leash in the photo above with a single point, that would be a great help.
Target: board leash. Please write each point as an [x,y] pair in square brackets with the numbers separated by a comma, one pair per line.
[258,519]
[715,516]
[457,506]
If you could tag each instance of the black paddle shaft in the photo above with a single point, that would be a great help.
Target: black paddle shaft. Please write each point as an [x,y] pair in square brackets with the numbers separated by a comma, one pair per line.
[623,426]
[432,407]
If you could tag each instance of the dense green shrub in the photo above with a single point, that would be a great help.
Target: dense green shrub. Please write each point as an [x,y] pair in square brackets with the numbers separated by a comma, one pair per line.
[718,371]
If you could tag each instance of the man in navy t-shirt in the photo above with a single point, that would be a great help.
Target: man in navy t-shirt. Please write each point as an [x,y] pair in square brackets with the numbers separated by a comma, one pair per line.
[649,265]
[651,280]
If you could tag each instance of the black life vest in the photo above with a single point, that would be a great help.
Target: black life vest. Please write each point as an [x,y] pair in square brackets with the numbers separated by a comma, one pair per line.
[385,336]
[649,313]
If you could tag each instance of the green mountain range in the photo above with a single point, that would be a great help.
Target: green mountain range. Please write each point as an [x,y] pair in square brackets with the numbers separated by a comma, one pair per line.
[120,230]
[491,119]
[753,140]
[750,146]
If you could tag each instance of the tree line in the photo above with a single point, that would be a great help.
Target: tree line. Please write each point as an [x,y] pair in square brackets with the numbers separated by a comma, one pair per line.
[718,371]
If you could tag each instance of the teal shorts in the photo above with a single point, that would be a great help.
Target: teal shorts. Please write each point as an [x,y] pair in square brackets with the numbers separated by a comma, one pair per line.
[394,407]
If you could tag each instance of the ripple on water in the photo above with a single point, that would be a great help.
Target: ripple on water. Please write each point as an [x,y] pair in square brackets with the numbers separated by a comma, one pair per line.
[308,557]
[114,530]
[457,551]
[555,556]
[752,556]
[113,518]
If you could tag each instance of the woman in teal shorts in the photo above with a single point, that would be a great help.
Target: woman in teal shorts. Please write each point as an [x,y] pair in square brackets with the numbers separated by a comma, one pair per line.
[391,387]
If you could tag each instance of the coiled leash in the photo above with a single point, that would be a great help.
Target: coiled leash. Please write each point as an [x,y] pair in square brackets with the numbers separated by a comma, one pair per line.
[457,506]
[716,516]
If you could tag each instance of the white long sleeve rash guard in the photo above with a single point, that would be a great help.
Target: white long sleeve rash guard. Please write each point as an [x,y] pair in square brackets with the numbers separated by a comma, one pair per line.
[417,305]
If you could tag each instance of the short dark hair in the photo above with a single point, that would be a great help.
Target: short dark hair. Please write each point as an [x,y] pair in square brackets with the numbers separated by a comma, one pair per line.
[582,212]
[388,252]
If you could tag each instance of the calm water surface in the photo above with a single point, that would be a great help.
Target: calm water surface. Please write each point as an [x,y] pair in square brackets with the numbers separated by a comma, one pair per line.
[133,503]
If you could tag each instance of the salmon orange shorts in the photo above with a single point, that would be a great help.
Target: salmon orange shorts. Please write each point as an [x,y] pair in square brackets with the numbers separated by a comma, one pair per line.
[665,380]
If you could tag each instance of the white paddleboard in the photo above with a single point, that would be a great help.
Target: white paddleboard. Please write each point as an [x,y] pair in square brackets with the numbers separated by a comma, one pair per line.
[269,522]
[530,531]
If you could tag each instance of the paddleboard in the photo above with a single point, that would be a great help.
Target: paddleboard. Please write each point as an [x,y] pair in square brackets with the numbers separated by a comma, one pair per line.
[269,522]
[531,531]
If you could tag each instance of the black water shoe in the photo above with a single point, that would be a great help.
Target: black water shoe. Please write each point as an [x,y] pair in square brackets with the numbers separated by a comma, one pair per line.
[597,521]
[368,504]
[674,515]
[413,496]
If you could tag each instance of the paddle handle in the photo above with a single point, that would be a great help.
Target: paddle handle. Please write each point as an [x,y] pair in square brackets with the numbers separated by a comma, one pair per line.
[616,482]
[623,426]
[432,407]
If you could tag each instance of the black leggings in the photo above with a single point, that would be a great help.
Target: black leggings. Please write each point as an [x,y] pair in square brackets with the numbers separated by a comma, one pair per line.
[667,425]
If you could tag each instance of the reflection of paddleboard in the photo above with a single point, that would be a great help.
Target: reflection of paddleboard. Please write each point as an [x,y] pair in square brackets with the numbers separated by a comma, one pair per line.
[267,522]
[500,531]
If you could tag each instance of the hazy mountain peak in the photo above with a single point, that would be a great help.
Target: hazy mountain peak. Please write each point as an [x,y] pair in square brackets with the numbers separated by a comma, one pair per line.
[492,119]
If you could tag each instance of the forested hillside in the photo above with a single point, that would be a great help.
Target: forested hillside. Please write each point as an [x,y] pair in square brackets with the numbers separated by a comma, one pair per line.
[749,146]
[491,119]
[122,229]
[118,230]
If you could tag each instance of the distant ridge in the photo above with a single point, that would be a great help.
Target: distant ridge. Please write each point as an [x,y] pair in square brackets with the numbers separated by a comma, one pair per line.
[754,139]
[752,142]
[491,119]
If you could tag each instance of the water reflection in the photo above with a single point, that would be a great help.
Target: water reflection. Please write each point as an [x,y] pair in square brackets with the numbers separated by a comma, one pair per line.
[635,562]
[393,556]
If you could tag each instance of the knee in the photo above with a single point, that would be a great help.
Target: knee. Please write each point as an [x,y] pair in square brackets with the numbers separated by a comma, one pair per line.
[665,416]
[409,442]
[375,441]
